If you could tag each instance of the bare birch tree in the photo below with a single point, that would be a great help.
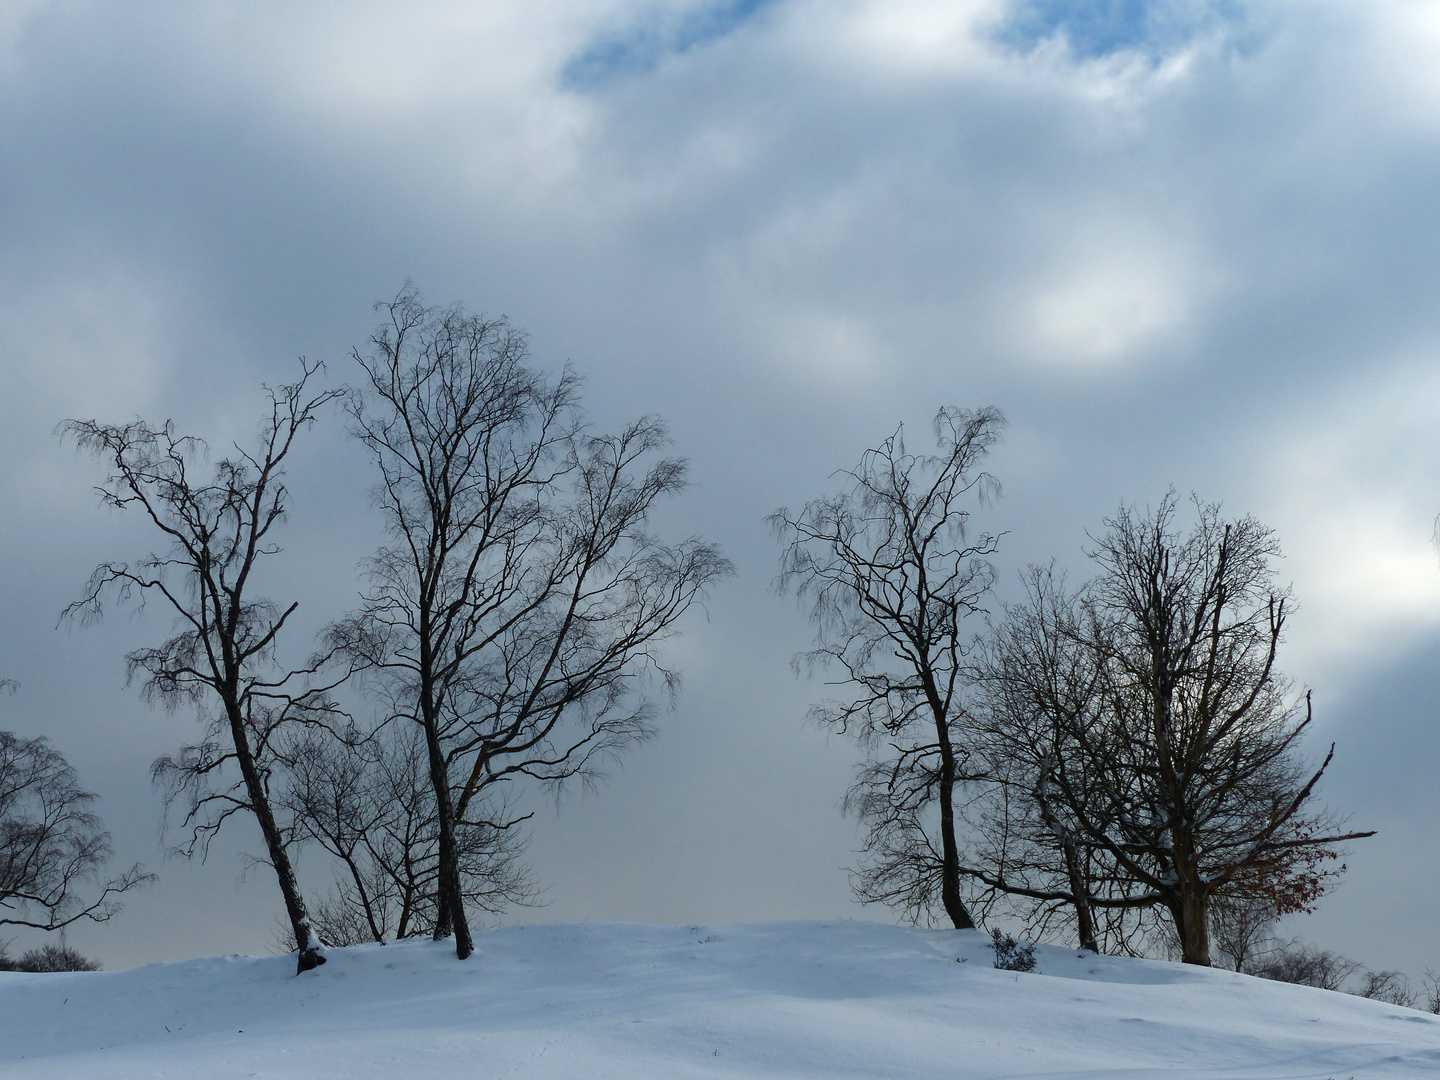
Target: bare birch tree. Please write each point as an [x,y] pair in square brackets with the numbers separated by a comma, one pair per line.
[222,657]
[892,576]
[519,607]
[52,844]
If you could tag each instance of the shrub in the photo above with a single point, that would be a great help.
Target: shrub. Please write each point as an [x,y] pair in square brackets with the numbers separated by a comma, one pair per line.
[1390,987]
[1305,965]
[1012,955]
[50,958]
[1431,1001]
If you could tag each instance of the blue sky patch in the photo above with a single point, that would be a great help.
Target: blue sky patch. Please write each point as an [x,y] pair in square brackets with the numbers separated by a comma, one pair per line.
[1097,28]
[641,46]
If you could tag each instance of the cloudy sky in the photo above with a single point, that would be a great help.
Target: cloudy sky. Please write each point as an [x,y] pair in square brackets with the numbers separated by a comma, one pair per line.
[1178,242]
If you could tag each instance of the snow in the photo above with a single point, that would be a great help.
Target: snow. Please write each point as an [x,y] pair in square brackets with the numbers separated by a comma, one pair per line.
[843,999]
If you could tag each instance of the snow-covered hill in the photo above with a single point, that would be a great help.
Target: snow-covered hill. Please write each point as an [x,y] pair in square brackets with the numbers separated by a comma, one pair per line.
[641,1002]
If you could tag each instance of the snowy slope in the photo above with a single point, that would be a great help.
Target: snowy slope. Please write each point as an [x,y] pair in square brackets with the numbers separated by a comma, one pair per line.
[643,1002]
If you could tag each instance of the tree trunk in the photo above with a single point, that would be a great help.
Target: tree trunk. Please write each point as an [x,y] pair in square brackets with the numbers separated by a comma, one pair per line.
[307,945]
[949,852]
[376,934]
[1079,883]
[1192,923]
[1080,890]
[450,902]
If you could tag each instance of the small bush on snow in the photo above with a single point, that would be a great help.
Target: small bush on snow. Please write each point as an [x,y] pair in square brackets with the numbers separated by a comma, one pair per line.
[1012,955]
[49,958]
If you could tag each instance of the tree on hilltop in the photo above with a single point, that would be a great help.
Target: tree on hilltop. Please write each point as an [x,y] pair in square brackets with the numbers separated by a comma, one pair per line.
[893,574]
[1169,742]
[516,613]
[222,660]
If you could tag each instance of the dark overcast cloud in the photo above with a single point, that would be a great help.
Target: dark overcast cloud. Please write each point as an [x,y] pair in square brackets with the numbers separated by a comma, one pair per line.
[1186,243]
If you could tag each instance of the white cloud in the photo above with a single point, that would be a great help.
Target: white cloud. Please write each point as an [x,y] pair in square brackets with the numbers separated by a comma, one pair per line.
[1111,303]
[910,40]
[1352,485]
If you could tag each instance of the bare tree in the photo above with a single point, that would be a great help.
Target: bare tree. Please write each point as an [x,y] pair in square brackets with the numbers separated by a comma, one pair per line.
[1430,1002]
[1242,929]
[1391,987]
[1183,767]
[370,805]
[520,604]
[1028,849]
[1031,865]
[222,656]
[52,845]
[1306,965]
[891,576]
[49,957]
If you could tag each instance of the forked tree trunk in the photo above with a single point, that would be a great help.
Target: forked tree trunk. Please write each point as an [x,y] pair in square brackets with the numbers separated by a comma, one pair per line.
[450,902]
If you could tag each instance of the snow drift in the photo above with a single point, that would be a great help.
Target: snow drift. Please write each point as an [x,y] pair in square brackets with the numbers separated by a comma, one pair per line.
[639,1002]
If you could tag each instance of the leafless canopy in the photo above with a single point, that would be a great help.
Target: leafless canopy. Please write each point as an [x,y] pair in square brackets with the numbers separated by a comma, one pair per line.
[217,531]
[52,845]
[1150,721]
[369,804]
[1026,849]
[891,573]
[519,606]
[1306,965]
